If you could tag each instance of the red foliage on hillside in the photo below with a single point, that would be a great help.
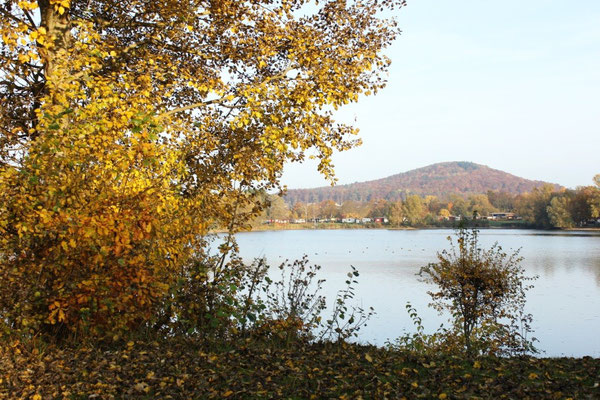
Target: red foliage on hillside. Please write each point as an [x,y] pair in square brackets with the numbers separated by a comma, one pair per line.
[439,179]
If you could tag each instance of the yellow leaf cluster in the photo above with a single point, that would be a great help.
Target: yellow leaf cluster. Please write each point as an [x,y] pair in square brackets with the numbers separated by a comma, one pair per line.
[124,141]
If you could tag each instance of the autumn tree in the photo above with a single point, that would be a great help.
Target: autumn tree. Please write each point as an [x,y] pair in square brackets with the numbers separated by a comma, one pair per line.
[414,210]
[559,213]
[328,209]
[460,206]
[444,213]
[594,200]
[479,203]
[533,206]
[434,205]
[501,200]
[396,213]
[484,291]
[129,129]
[277,208]
[379,208]
[351,209]
[580,207]
[300,210]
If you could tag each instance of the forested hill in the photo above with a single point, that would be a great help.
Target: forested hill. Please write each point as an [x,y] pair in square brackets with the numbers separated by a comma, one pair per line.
[438,179]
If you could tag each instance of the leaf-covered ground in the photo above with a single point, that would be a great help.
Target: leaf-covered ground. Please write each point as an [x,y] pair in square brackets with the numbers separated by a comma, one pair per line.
[177,369]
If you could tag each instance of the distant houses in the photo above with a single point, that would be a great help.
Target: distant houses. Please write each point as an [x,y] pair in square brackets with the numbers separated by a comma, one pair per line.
[448,218]
[499,216]
[376,220]
[503,216]
[276,221]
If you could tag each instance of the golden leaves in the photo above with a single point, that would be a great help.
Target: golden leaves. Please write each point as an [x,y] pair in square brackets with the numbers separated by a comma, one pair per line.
[28,5]
[142,135]
[181,369]
[57,313]
[60,6]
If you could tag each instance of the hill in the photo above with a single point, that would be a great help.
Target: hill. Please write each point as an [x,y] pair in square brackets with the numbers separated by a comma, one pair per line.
[439,179]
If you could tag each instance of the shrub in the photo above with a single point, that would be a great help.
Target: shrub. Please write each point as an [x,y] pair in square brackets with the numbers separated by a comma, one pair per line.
[484,291]
[214,295]
[221,297]
[294,307]
[293,303]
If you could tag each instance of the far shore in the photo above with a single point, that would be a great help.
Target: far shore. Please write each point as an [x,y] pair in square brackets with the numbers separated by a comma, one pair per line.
[338,226]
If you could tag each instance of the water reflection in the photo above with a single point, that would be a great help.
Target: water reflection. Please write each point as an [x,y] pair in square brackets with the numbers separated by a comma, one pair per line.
[571,234]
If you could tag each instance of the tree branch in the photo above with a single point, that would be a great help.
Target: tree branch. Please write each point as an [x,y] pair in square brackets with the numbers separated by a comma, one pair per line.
[15,19]
[189,107]
[280,74]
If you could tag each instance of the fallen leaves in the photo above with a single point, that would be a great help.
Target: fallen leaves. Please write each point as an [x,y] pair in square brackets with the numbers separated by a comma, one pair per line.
[181,369]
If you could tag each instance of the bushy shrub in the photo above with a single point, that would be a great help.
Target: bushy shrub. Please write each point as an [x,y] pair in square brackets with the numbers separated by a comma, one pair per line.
[484,291]
[222,297]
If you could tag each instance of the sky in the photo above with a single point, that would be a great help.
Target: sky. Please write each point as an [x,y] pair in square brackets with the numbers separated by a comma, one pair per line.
[512,84]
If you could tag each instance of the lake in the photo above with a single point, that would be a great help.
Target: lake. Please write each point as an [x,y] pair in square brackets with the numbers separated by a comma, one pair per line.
[565,301]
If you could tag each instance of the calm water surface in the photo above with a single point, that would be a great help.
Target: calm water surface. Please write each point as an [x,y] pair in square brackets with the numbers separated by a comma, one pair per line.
[565,301]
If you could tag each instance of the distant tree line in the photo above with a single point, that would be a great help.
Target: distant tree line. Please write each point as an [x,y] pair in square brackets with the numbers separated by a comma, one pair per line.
[543,207]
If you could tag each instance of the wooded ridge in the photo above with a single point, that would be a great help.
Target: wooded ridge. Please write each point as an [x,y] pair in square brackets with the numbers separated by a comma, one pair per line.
[437,180]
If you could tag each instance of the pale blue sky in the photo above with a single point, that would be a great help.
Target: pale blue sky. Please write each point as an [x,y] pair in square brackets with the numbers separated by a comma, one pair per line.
[511,84]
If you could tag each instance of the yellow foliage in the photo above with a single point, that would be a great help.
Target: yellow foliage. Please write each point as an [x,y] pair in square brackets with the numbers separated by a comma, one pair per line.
[125,140]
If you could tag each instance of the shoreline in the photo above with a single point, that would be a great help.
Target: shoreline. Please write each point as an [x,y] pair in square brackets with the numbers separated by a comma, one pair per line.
[299,227]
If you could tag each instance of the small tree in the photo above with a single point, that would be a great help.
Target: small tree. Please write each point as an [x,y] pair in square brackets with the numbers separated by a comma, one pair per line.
[594,200]
[484,290]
